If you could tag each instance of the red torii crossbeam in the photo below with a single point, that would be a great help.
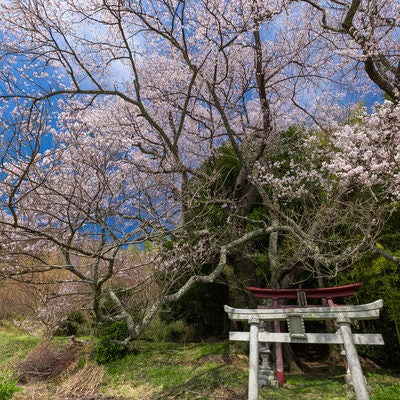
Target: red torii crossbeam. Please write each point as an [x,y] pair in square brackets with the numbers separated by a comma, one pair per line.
[329,294]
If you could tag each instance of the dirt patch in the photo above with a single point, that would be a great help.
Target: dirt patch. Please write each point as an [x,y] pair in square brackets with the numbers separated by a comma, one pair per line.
[328,367]
[46,361]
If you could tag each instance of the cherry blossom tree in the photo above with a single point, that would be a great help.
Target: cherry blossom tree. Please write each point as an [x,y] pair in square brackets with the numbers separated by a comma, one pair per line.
[344,186]
[111,109]
[369,37]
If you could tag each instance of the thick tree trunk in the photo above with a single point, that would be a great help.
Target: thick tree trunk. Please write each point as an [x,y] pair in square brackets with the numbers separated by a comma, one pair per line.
[273,253]
[334,357]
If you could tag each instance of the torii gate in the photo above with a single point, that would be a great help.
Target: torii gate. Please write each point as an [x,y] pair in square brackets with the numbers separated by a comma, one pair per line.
[302,295]
[342,315]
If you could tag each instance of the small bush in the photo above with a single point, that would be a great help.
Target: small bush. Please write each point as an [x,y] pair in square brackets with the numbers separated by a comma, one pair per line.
[175,331]
[8,386]
[107,349]
[71,325]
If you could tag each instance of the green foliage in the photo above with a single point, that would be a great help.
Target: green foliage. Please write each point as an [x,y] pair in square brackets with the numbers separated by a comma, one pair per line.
[390,241]
[387,96]
[107,349]
[108,306]
[161,330]
[228,165]
[202,309]
[8,385]
[168,245]
[71,325]
[222,171]
[257,215]
[381,281]
[355,115]
[263,274]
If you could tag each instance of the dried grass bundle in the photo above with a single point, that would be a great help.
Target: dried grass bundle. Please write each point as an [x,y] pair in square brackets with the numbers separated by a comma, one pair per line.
[84,383]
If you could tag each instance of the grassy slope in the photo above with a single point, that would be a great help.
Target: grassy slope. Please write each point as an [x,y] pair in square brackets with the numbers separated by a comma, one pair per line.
[176,371]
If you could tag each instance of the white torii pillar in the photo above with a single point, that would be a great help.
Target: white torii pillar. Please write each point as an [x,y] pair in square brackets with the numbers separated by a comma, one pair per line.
[254,323]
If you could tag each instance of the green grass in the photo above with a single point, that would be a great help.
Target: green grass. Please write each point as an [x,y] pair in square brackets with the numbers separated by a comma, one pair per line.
[384,387]
[188,370]
[14,345]
[300,387]
[202,371]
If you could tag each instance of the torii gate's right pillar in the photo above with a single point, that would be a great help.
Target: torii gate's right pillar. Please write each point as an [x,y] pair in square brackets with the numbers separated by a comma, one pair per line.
[360,384]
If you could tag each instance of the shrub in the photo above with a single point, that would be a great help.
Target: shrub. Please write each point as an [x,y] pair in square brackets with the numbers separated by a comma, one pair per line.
[8,386]
[71,325]
[175,331]
[107,349]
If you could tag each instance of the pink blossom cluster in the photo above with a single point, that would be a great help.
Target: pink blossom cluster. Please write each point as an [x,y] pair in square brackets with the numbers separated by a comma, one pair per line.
[184,257]
[368,152]
[365,153]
